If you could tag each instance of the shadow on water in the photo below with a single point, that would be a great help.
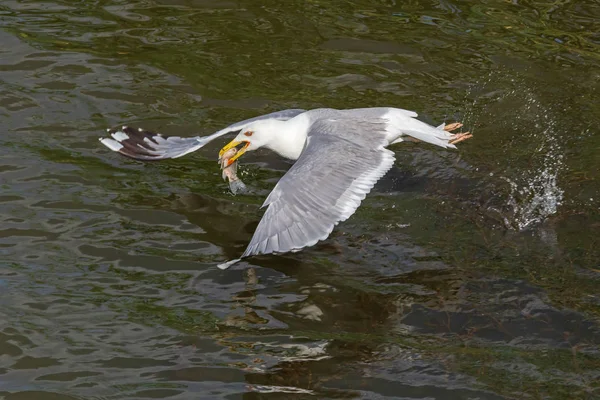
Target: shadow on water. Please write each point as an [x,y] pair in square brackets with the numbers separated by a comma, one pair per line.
[469,274]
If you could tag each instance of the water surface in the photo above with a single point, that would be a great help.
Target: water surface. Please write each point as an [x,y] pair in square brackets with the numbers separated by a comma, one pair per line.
[464,275]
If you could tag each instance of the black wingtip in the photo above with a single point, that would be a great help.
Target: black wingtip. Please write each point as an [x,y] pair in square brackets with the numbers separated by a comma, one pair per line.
[135,143]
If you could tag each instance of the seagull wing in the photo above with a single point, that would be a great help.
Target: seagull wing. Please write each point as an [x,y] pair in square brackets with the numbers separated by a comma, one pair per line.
[145,145]
[341,161]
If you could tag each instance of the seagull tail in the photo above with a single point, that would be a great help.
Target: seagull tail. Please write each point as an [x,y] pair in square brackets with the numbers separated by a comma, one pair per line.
[429,134]
[402,124]
[145,145]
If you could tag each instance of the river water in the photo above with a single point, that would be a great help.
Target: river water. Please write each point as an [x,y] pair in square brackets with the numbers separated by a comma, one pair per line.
[469,274]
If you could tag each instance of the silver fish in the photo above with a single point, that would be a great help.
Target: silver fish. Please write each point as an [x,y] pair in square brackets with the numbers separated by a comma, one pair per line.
[230,172]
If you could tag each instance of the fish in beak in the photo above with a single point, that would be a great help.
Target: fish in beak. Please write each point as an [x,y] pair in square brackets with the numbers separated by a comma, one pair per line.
[237,155]
[229,172]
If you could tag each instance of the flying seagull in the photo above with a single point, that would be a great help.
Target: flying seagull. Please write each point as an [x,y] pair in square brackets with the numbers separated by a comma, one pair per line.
[339,154]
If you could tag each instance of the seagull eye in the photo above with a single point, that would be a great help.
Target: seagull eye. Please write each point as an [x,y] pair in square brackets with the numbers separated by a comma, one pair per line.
[249,133]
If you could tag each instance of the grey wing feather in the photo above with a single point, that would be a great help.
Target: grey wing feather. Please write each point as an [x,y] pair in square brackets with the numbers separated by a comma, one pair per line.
[340,164]
[282,115]
[145,145]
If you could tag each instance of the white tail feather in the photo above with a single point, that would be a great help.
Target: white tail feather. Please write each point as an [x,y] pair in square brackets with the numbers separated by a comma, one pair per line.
[400,124]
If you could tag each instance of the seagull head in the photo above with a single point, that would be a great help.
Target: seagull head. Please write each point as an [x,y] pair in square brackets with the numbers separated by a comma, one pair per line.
[253,136]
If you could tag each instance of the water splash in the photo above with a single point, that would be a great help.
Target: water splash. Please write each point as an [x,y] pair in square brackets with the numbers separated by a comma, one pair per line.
[533,176]
[535,194]
[535,200]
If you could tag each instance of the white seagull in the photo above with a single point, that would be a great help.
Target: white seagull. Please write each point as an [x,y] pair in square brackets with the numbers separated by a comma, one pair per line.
[339,154]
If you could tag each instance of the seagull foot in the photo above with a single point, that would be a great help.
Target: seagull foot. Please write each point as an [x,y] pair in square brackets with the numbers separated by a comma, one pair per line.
[452,127]
[459,137]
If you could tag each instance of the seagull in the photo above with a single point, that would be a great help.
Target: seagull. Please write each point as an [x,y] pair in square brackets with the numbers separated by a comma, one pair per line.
[339,156]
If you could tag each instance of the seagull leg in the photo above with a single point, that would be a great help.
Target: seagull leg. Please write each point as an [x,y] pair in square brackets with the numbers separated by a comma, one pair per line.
[453,126]
[459,137]
[455,138]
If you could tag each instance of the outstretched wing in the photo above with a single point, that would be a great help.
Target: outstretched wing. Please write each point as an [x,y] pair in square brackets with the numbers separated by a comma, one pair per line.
[340,164]
[148,146]
[145,145]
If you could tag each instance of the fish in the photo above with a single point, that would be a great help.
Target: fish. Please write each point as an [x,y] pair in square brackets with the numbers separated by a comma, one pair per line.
[229,172]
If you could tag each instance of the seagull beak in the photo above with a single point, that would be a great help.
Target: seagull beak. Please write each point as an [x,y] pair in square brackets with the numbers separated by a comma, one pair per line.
[237,155]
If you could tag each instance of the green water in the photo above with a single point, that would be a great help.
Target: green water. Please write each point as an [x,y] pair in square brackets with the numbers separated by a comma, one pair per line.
[470,274]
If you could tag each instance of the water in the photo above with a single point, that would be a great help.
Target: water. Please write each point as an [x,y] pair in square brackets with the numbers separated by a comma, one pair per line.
[535,193]
[469,274]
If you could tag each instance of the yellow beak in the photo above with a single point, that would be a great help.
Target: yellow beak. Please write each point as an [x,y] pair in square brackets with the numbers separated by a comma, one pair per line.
[237,155]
